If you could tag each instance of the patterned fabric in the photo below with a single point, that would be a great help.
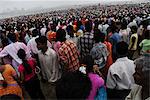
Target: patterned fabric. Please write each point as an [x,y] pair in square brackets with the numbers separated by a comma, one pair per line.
[99,53]
[85,44]
[69,55]
[13,87]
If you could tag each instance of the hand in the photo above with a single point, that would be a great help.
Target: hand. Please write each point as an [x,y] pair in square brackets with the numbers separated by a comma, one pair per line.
[97,70]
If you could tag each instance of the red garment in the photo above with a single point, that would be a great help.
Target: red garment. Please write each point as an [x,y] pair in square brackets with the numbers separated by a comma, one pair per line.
[32,64]
[69,55]
[109,58]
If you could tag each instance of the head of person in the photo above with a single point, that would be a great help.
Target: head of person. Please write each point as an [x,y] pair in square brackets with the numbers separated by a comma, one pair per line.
[35,33]
[122,49]
[147,34]
[88,61]
[70,31]
[73,85]
[12,37]
[123,26]
[134,29]
[99,36]
[61,35]
[88,26]
[5,42]
[114,29]
[142,73]
[10,29]
[41,42]
[22,55]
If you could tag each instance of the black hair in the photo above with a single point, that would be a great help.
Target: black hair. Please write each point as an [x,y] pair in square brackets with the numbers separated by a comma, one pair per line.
[123,26]
[122,48]
[114,29]
[73,85]
[35,32]
[70,30]
[98,36]
[79,23]
[41,39]
[89,62]
[12,37]
[147,34]
[61,35]
[88,26]
[5,42]
[133,29]
[22,55]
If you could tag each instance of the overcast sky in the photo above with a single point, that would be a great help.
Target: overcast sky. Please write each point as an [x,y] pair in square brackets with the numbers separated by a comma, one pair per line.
[8,5]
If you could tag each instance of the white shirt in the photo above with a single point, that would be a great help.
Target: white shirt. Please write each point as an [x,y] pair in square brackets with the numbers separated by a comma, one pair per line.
[120,74]
[136,93]
[104,28]
[49,65]
[12,50]
[42,31]
[32,45]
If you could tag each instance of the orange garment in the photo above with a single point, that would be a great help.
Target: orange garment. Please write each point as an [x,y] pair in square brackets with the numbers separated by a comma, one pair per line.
[51,35]
[13,87]
[109,58]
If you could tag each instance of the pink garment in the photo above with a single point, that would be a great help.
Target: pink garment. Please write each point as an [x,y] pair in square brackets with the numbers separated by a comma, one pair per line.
[32,64]
[97,82]
[57,45]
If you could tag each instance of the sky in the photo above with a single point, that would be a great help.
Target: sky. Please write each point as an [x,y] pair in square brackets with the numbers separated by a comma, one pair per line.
[9,5]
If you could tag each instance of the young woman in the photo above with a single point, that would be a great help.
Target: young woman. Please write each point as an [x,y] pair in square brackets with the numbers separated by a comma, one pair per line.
[96,80]
[28,76]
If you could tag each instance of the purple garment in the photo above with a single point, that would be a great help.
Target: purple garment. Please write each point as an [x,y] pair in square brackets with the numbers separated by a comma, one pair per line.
[97,82]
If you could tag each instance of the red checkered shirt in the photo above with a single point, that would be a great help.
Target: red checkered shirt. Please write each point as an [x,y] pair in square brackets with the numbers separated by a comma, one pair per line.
[69,55]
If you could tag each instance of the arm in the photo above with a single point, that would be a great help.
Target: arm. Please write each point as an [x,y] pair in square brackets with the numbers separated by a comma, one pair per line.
[63,58]
[21,77]
[3,53]
[111,81]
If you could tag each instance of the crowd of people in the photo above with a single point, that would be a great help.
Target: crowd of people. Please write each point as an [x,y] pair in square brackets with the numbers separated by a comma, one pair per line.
[97,52]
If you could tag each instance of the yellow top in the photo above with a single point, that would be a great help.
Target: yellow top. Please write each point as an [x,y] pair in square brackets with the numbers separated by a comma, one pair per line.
[135,43]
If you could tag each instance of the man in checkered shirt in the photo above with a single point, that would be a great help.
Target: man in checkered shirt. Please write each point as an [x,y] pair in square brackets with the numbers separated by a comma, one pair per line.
[85,43]
[68,53]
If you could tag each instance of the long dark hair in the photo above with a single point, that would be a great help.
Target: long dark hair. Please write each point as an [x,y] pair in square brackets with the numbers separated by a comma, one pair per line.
[89,62]
[22,55]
